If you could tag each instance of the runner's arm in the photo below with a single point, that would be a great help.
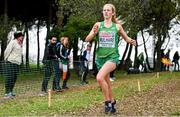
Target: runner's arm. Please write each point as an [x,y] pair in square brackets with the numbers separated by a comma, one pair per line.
[124,35]
[61,54]
[93,32]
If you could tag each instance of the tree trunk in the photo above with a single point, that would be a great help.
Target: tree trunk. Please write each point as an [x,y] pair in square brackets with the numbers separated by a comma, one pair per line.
[48,33]
[5,13]
[154,57]
[129,53]
[136,53]
[4,39]
[3,47]
[27,45]
[128,59]
[94,56]
[22,62]
[75,50]
[161,39]
[38,45]
[49,23]
[123,57]
[158,64]
[76,58]
[145,49]
[158,59]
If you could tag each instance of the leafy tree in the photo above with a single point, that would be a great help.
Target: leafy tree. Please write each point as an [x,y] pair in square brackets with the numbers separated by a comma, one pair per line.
[142,14]
[28,11]
[159,14]
[77,27]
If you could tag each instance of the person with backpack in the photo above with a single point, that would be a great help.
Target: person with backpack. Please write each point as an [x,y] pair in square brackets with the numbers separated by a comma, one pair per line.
[58,46]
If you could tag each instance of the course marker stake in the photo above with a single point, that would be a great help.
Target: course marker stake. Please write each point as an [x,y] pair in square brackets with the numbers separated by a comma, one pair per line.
[139,87]
[157,74]
[49,98]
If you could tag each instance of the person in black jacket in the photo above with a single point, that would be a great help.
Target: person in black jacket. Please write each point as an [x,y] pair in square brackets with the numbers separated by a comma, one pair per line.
[175,60]
[85,59]
[50,61]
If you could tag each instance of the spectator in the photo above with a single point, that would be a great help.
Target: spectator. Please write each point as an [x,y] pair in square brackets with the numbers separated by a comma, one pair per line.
[64,55]
[112,78]
[140,61]
[13,58]
[86,60]
[58,46]
[176,60]
[167,56]
[51,64]
[162,60]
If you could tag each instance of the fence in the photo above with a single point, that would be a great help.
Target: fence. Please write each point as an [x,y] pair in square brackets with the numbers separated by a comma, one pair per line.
[29,80]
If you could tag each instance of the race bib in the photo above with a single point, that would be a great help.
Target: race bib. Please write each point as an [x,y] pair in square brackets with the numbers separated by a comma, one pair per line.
[107,39]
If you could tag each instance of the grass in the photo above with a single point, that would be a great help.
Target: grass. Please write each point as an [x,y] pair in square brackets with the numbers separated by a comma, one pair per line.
[77,97]
[30,82]
[175,114]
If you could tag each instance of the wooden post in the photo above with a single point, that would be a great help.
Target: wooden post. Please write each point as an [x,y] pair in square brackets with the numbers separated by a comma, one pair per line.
[49,98]
[157,74]
[139,87]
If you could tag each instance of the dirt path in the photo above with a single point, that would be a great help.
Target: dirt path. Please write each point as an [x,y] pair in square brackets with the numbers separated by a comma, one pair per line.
[162,100]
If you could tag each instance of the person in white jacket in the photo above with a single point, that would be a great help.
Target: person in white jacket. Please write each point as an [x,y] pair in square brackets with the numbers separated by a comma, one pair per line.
[13,59]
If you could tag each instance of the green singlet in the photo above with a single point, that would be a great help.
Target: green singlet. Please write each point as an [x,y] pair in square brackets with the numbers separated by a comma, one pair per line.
[107,50]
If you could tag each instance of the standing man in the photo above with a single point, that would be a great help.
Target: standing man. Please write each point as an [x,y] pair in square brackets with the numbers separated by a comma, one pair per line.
[51,64]
[13,59]
[86,60]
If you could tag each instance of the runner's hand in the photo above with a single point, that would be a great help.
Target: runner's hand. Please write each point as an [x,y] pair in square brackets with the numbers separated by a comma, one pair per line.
[95,29]
[133,42]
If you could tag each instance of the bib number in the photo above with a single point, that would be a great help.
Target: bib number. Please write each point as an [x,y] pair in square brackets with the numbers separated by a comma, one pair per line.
[107,39]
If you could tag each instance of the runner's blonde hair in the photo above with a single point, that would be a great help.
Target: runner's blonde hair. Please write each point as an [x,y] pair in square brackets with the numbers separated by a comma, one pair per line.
[62,41]
[114,11]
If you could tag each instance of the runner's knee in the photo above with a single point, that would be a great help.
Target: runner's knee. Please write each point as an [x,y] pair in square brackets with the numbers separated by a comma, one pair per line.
[99,78]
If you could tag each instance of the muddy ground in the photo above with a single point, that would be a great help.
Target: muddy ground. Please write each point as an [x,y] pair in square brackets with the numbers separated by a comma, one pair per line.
[161,100]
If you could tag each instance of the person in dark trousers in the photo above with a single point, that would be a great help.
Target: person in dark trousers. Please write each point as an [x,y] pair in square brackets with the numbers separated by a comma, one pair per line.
[176,60]
[58,46]
[167,56]
[140,61]
[112,78]
[162,64]
[13,59]
[51,64]
[85,60]
[64,55]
